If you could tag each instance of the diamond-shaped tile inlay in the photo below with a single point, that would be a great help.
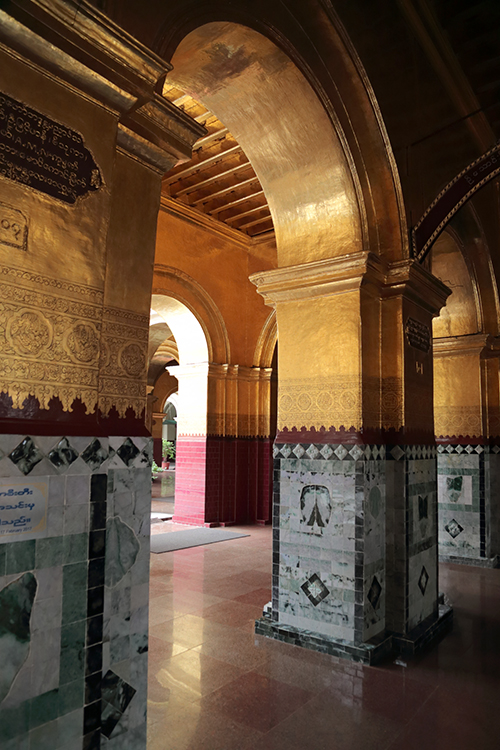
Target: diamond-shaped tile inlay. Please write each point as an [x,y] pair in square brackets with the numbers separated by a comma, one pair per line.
[340,452]
[94,454]
[397,452]
[373,595]
[459,449]
[127,451]
[276,450]
[441,449]
[423,580]
[496,449]
[26,455]
[356,452]
[450,448]
[479,449]
[423,507]
[116,696]
[285,451]
[312,451]
[298,451]
[315,589]
[326,451]
[453,528]
[469,448]
[63,454]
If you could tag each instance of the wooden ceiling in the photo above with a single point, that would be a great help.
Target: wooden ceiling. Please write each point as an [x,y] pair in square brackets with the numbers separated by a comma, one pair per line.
[219,181]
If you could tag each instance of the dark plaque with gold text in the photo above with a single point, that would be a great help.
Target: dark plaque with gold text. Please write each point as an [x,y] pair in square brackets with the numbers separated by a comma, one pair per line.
[42,154]
[418,335]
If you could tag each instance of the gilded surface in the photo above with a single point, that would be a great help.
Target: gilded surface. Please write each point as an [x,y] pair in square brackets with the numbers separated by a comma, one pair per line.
[329,402]
[56,341]
[49,337]
[457,420]
[124,349]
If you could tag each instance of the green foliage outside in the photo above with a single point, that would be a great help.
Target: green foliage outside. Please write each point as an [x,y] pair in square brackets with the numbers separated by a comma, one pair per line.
[168,449]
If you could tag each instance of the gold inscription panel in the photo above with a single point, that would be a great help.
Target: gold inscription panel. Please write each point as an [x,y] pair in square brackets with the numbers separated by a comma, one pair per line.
[42,154]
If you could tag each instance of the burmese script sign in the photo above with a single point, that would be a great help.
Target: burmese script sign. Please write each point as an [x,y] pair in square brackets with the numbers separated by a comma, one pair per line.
[452,197]
[38,152]
[23,509]
[418,335]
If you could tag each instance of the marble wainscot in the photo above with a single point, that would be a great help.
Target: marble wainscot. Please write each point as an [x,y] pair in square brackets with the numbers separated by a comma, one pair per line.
[469,513]
[339,586]
[74,573]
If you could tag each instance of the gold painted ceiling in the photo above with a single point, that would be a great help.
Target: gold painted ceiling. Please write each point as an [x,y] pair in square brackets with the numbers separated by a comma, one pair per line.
[219,180]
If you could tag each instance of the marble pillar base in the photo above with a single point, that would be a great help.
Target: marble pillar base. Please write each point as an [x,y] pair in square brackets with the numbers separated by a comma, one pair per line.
[425,633]
[379,649]
[365,653]
[480,562]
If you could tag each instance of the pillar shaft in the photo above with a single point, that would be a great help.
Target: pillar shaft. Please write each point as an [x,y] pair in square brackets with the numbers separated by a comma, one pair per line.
[354,508]
[466,394]
[223,471]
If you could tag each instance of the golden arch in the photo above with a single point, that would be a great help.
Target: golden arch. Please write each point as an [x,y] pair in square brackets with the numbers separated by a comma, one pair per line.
[242,74]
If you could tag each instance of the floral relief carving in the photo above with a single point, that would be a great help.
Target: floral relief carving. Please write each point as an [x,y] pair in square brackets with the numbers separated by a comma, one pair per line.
[29,332]
[82,343]
[36,319]
[58,341]
[123,362]
[133,359]
[320,403]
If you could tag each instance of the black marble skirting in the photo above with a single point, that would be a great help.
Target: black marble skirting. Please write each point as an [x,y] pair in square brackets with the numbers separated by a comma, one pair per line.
[480,562]
[370,653]
[365,653]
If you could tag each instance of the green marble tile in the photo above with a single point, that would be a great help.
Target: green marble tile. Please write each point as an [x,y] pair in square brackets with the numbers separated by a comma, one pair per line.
[44,708]
[71,697]
[45,737]
[14,722]
[72,652]
[49,552]
[76,548]
[3,557]
[74,592]
[20,557]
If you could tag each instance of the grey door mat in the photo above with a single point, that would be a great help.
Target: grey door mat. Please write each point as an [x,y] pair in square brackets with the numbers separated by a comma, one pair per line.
[196,537]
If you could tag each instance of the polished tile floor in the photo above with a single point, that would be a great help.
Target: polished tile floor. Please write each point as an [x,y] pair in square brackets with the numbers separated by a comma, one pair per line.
[214,685]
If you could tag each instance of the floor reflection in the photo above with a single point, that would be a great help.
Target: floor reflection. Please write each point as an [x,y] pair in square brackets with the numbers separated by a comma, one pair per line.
[214,685]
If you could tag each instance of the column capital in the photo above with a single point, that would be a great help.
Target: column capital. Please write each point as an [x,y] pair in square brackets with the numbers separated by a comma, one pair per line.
[480,344]
[321,278]
[347,273]
[410,279]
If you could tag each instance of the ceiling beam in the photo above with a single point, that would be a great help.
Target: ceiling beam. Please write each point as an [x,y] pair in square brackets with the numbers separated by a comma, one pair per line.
[209,138]
[236,202]
[226,190]
[199,165]
[261,220]
[210,180]
[246,213]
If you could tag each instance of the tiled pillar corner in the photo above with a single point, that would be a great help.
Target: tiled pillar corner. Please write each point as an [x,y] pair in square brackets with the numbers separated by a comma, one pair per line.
[354,548]
[83,683]
[468,484]
[412,543]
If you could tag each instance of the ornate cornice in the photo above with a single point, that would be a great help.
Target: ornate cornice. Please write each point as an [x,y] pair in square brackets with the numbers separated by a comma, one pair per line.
[320,278]
[203,221]
[348,273]
[81,46]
